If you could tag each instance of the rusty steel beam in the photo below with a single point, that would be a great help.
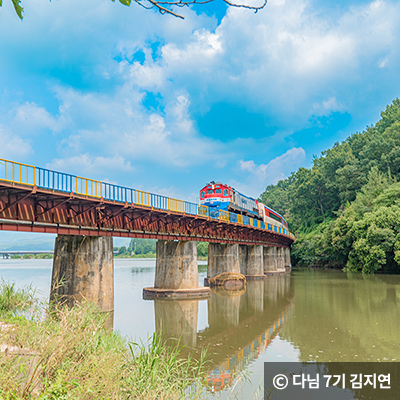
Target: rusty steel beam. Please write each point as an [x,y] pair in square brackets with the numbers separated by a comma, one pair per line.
[64,213]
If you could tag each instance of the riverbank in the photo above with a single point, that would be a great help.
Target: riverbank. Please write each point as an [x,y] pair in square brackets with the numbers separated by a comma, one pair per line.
[60,353]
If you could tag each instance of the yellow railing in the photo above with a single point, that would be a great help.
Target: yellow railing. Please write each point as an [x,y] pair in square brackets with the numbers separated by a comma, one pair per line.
[88,187]
[202,210]
[11,171]
[224,215]
[142,198]
[176,205]
[240,219]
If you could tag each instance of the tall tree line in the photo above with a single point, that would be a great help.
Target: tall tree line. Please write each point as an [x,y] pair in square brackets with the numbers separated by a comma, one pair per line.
[345,210]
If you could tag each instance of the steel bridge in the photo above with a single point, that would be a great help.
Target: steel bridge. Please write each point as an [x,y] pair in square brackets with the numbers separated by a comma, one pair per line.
[34,199]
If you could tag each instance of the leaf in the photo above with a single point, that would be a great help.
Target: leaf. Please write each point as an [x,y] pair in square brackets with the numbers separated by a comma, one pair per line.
[125,2]
[18,8]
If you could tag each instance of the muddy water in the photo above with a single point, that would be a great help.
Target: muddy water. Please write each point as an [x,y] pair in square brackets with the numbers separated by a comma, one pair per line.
[311,315]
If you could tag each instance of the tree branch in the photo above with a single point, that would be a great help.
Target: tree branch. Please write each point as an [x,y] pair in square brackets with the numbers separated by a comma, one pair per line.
[163,6]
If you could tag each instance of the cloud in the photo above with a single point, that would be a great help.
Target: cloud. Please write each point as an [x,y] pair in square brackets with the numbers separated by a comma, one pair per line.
[12,146]
[259,176]
[283,61]
[91,167]
[119,124]
[87,78]
[29,118]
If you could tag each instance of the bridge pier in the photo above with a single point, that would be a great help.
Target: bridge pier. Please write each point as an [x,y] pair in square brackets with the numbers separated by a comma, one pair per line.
[288,263]
[224,259]
[251,262]
[85,268]
[176,271]
[270,260]
[275,259]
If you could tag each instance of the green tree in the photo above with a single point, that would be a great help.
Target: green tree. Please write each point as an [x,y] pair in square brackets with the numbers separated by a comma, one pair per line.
[122,250]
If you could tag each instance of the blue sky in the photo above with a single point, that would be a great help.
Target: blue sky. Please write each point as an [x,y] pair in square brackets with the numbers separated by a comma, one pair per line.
[149,101]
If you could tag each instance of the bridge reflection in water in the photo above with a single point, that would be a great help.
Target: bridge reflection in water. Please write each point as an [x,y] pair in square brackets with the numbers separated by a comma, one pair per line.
[241,325]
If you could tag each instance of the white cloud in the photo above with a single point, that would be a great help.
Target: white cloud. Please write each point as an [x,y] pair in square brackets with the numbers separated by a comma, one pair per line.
[259,176]
[91,167]
[327,107]
[119,124]
[282,61]
[30,118]
[12,146]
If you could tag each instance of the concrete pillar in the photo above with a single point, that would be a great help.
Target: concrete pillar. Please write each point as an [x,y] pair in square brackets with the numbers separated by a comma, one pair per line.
[270,259]
[280,259]
[177,319]
[85,266]
[243,254]
[251,261]
[224,259]
[176,271]
[288,263]
[255,262]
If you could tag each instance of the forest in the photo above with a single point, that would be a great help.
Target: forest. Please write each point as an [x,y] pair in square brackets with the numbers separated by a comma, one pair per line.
[345,209]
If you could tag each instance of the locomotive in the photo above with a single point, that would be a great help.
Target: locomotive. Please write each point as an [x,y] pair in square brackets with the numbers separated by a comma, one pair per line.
[218,196]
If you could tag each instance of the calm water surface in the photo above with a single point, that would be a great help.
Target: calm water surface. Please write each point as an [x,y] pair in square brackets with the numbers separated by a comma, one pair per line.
[311,315]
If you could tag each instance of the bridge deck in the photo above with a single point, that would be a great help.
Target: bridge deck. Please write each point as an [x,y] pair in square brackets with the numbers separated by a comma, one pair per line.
[39,200]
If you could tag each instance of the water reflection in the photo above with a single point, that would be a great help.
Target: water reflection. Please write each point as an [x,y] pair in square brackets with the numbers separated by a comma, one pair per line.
[241,324]
[345,317]
[177,319]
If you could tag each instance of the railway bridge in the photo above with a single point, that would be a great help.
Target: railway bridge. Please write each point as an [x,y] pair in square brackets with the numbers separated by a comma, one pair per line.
[86,214]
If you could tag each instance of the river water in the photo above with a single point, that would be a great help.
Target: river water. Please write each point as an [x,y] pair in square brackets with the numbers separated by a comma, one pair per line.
[310,315]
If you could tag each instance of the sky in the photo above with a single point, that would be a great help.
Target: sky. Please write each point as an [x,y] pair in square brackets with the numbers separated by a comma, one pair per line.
[153,102]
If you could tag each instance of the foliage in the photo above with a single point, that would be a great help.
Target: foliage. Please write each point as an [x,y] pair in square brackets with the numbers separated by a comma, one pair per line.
[202,249]
[68,353]
[12,299]
[159,369]
[344,209]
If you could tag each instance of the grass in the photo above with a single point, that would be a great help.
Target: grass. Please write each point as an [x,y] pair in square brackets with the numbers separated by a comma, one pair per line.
[13,300]
[67,353]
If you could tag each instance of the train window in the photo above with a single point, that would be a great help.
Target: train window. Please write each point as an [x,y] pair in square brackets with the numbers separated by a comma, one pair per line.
[202,194]
[209,191]
[219,191]
[226,192]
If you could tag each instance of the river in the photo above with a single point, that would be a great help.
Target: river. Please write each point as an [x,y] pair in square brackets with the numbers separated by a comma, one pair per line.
[310,315]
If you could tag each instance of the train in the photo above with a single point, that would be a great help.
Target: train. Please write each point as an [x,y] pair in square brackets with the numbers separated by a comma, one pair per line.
[218,196]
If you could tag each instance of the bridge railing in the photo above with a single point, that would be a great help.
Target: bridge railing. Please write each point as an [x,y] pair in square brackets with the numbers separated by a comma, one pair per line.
[11,171]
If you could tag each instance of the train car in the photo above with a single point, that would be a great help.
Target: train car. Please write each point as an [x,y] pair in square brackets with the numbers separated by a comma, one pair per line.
[218,196]
[223,197]
[269,216]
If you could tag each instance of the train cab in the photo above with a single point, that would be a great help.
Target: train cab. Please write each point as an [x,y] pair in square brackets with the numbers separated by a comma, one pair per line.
[216,195]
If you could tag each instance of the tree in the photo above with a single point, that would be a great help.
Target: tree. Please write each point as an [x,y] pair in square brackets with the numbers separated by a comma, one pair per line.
[163,6]
[122,250]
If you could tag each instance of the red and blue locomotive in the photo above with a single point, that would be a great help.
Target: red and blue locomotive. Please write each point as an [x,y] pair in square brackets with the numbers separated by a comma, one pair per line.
[218,196]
